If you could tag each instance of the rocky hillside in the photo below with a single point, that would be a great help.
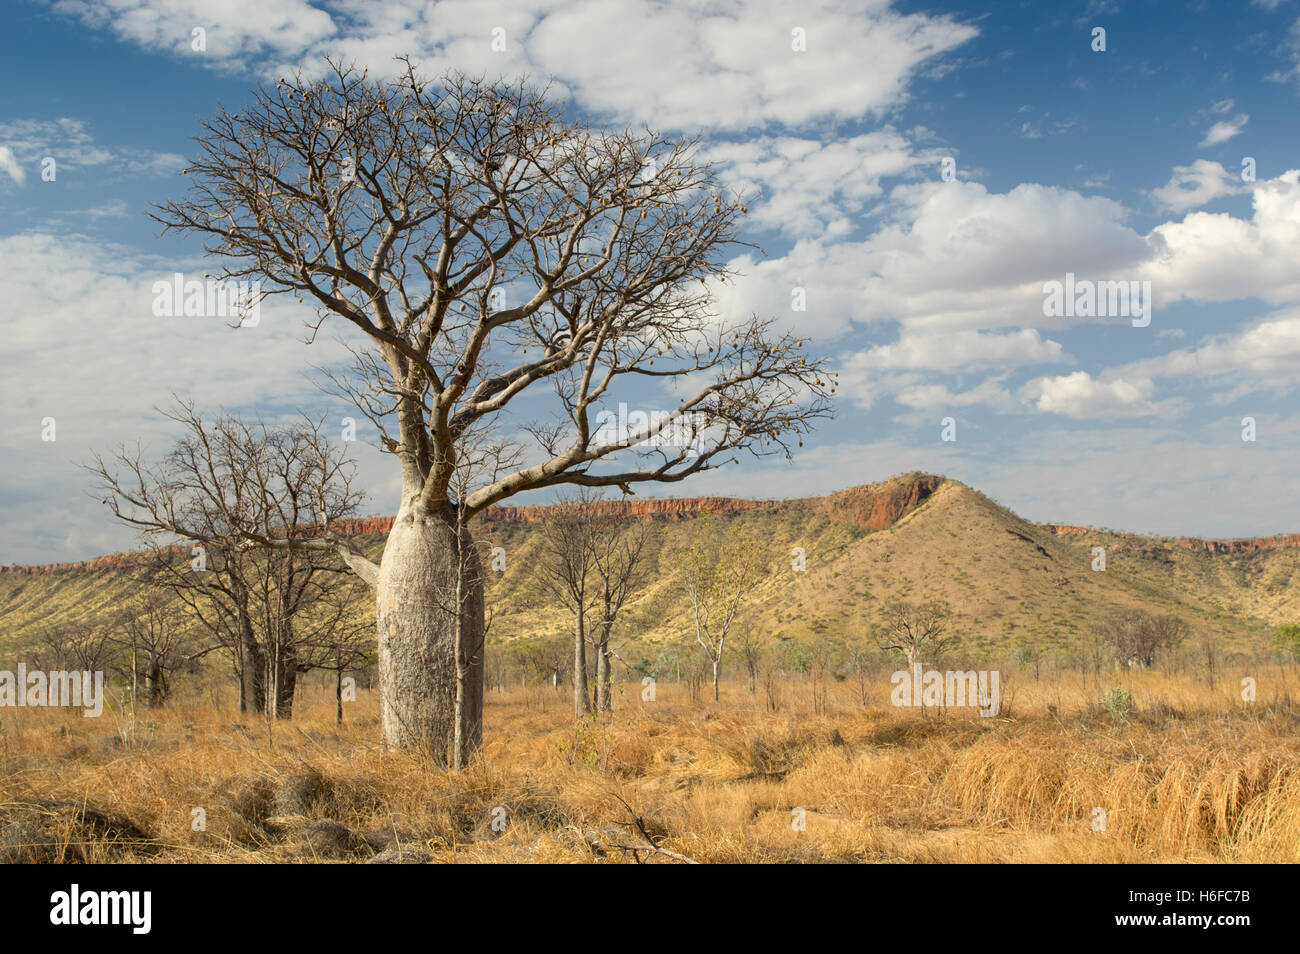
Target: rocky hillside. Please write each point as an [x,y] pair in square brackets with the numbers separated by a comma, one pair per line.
[1012,583]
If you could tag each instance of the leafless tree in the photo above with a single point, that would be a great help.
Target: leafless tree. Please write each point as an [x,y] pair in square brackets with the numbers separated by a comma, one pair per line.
[860,660]
[221,588]
[819,673]
[750,644]
[156,640]
[74,647]
[566,570]
[230,490]
[1094,650]
[619,559]
[695,672]
[593,562]
[1137,636]
[338,639]
[488,246]
[770,679]
[1211,651]
[918,630]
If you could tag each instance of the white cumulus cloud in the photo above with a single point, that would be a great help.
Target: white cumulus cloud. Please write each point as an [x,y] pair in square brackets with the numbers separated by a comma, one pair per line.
[1193,186]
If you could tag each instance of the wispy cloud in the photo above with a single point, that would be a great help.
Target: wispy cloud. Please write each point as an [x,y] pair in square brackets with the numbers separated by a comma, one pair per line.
[27,143]
[9,165]
[1224,130]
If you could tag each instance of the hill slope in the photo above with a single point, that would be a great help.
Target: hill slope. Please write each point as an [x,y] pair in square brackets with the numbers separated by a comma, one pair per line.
[917,536]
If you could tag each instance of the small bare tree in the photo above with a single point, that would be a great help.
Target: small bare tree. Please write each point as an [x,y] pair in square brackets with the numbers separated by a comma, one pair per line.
[157,641]
[233,494]
[860,660]
[918,630]
[619,558]
[819,674]
[1211,652]
[567,571]
[336,640]
[1136,636]
[751,648]
[1094,650]
[80,646]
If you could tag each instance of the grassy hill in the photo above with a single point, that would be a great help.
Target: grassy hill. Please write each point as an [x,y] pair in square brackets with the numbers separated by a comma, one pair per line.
[1011,583]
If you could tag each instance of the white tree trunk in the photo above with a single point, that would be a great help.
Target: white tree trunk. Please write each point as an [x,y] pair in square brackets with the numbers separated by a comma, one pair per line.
[604,690]
[417,666]
[581,694]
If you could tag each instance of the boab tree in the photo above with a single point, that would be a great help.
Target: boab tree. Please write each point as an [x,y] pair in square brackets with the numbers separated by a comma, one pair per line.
[1136,637]
[491,249]
[232,490]
[917,630]
[592,561]
[155,640]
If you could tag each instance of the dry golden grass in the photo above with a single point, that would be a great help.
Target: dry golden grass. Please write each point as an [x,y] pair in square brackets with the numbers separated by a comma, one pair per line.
[1195,775]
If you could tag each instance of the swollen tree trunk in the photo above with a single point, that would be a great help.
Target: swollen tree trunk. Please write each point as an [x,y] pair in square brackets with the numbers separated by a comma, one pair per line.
[581,695]
[717,671]
[417,665]
[464,655]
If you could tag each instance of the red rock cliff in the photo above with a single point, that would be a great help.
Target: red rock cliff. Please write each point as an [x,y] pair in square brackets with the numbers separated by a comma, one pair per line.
[1281,541]
[877,506]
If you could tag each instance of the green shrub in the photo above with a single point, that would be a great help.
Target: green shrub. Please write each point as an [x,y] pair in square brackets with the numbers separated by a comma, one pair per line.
[1119,703]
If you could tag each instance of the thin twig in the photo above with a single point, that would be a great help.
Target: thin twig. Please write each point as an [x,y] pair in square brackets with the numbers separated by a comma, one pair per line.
[649,845]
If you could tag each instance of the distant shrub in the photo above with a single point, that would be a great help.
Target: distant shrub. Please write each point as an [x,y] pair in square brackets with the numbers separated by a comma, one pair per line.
[1118,702]
[1287,636]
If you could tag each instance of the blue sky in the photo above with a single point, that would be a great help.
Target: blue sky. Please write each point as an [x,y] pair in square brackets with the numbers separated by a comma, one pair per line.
[1122,164]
